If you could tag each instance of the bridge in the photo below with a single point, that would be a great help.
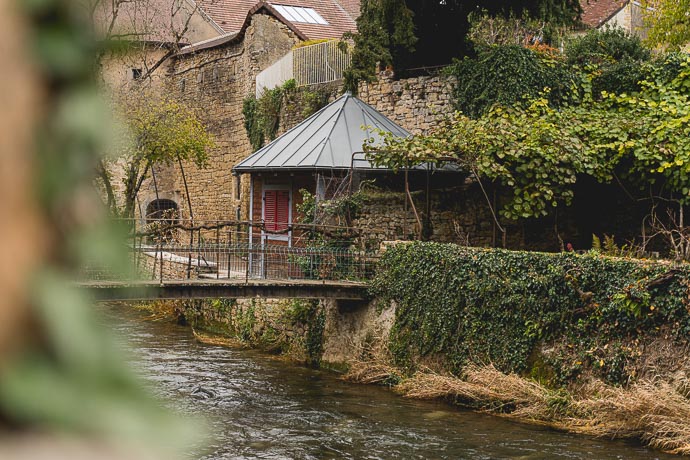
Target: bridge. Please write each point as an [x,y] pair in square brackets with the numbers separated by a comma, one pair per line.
[230,265]
[224,288]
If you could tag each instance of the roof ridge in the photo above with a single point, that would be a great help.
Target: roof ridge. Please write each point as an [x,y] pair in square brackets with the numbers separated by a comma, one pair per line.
[305,122]
[345,96]
[336,127]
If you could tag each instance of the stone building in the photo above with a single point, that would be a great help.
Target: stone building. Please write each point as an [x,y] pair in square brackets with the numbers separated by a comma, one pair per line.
[626,14]
[215,74]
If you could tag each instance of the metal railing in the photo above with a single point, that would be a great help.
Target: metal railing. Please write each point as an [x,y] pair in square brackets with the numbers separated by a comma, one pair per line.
[319,63]
[309,65]
[170,250]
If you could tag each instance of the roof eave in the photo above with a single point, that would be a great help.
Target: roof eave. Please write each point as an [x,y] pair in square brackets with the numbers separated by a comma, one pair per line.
[236,36]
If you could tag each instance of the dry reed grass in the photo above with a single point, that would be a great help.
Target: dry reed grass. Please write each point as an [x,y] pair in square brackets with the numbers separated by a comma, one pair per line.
[159,310]
[486,388]
[654,411]
[217,340]
[371,372]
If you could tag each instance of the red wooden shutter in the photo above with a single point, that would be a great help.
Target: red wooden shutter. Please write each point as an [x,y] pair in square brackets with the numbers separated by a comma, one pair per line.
[270,210]
[282,209]
[276,210]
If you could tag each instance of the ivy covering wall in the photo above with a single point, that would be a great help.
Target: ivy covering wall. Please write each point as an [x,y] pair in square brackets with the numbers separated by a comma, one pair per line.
[554,317]
[262,115]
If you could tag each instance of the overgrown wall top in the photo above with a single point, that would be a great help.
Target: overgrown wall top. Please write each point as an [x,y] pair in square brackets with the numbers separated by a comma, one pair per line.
[556,317]
[417,104]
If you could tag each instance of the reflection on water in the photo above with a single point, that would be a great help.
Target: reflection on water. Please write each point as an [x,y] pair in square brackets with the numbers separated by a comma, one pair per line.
[263,408]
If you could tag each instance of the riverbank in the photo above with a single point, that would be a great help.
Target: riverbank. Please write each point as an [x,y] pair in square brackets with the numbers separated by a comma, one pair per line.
[587,344]
[264,406]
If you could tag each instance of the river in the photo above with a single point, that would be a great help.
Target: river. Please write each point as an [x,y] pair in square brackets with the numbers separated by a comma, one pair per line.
[262,407]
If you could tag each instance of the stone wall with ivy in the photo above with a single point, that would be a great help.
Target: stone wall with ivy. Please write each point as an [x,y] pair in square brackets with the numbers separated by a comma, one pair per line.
[457,215]
[293,327]
[555,317]
[327,333]
[304,101]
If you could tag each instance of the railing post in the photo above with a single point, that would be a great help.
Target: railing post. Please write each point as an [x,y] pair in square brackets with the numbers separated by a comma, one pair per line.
[218,252]
[161,264]
[247,265]
[229,253]
[198,251]
[191,244]
[155,262]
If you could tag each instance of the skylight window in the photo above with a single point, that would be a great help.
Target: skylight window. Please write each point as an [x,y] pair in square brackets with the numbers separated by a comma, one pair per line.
[300,14]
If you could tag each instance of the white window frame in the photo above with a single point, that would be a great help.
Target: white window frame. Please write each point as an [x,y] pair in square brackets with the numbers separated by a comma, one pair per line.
[300,14]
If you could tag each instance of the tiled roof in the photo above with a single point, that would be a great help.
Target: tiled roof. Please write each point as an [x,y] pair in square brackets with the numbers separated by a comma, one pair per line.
[351,6]
[228,14]
[339,20]
[231,15]
[596,12]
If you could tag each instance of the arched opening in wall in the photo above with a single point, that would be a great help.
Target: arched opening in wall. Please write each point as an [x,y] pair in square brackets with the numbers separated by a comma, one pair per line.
[161,214]
[162,209]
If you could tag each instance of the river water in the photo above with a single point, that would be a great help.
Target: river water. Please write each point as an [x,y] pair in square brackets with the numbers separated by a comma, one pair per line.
[261,407]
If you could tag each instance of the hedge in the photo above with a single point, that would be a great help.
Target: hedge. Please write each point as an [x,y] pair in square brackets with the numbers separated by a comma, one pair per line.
[506,307]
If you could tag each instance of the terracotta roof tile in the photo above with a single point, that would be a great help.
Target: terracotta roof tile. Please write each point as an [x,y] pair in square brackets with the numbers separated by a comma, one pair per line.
[351,6]
[230,15]
[597,12]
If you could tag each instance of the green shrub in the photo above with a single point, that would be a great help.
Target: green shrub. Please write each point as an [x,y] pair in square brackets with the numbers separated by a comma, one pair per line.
[498,306]
[605,46]
[506,74]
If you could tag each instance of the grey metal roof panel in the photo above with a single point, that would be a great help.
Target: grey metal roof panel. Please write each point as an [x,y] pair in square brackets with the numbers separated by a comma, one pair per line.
[325,140]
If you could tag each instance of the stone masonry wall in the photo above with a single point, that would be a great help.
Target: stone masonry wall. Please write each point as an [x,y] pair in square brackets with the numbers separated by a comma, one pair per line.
[416,104]
[460,215]
[214,82]
[326,332]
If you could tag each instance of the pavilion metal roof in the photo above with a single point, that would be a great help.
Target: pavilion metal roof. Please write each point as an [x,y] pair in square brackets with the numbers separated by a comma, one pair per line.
[325,140]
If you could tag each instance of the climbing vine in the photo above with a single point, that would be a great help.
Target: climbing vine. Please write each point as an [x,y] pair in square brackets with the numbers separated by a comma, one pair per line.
[509,74]
[310,314]
[497,306]
[536,152]
[262,115]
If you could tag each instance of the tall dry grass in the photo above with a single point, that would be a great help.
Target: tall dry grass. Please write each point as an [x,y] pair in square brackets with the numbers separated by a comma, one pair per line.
[486,388]
[654,411]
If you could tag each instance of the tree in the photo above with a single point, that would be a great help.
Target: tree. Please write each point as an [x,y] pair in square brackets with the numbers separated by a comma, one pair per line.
[615,59]
[385,34]
[416,33]
[535,153]
[667,22]
[146,33]
[161,131]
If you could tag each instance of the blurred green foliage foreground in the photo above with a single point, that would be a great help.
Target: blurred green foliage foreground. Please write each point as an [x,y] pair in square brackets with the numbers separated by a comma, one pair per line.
[61,374]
